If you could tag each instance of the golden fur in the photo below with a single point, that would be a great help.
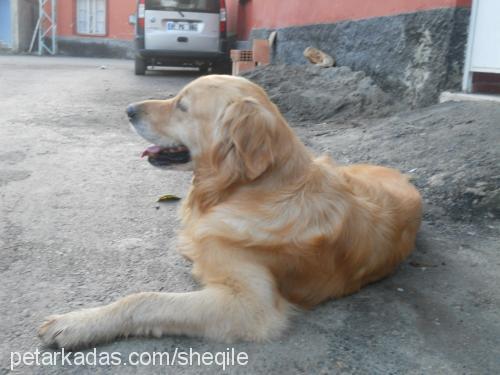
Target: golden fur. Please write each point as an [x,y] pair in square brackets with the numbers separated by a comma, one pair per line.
[267,226]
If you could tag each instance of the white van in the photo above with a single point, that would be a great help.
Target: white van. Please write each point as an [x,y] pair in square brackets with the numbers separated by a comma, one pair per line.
[182,33]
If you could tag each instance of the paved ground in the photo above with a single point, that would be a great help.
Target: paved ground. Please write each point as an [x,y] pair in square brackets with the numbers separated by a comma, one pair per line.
[80,226]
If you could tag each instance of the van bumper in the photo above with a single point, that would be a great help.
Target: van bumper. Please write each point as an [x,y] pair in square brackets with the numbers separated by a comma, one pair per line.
[180,56]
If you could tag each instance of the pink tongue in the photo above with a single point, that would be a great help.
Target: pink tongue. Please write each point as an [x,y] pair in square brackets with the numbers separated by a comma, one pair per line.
[151,150]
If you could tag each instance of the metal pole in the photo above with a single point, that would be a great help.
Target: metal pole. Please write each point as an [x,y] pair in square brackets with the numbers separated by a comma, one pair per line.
[40,29]
[33,38]
[47,24]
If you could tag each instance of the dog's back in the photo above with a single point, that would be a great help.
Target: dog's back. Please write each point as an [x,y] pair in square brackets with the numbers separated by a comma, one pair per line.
[398,211]
[364,229]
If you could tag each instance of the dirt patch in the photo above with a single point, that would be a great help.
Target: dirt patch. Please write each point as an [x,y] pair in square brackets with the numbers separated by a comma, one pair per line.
[318,94]
[450,150]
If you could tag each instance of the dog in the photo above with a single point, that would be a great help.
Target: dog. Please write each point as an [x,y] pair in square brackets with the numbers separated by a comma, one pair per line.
[270,229]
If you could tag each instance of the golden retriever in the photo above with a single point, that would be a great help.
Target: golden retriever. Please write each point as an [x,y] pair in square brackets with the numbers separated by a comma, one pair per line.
[267,226]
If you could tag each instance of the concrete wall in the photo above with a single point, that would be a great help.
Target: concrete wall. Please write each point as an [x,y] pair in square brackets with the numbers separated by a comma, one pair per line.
[95,47]
[24,17]
[413,55]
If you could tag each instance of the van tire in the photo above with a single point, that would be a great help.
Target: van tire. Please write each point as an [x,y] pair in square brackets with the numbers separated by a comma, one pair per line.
[222,67]
[203,69]
[140,66]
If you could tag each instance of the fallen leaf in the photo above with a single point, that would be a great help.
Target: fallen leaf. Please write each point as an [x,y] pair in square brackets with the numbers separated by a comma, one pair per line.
[168,198]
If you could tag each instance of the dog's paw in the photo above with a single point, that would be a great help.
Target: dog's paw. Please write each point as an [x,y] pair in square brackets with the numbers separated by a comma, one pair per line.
[69,331]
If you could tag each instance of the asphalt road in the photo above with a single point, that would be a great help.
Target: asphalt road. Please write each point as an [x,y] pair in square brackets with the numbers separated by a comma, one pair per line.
[80,226]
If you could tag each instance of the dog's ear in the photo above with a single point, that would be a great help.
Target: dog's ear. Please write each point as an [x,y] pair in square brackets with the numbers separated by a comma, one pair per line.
[245,147]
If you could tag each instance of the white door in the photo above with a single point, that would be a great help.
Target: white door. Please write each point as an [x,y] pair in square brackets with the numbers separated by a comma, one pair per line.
[483,51]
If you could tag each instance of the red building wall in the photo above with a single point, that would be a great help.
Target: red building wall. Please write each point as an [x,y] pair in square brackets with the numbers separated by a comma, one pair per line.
[277,14]
[117,25]
[118,12]
[244,15]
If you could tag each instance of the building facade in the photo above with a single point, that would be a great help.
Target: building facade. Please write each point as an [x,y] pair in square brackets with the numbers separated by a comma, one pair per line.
[414,47]
[104,28]
[98,28]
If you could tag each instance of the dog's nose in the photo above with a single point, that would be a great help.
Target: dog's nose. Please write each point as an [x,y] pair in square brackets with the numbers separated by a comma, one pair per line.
[131,111]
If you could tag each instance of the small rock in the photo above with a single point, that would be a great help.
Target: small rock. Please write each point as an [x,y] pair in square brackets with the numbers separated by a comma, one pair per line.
[437,179]
[476,191]
[400,289]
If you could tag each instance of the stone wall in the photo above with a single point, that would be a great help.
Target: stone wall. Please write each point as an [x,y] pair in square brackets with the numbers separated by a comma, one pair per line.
[414,56]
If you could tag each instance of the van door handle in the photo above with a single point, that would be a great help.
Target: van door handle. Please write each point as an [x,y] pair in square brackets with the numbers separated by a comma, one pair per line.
[182,39]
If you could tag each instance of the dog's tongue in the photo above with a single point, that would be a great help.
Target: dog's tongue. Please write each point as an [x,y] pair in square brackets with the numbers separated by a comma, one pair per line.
[151,151]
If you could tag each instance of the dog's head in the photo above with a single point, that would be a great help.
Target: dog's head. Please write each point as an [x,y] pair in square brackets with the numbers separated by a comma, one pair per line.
[222,122]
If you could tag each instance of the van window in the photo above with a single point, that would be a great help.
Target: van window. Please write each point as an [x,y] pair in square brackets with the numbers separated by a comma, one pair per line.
[205,6]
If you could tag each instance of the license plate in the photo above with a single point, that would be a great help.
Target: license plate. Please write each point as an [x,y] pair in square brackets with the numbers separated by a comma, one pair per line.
[182,26]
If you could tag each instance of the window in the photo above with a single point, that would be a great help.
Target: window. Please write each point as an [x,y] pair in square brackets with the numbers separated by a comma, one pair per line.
[91,17]
[205,6]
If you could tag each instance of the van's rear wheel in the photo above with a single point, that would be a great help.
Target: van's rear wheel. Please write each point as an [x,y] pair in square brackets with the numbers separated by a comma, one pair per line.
[222,67]
[140,66]
[203,68]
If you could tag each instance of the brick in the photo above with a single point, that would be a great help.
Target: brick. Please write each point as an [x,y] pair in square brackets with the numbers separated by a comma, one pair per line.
[242,66]
[261,51]
[241,55]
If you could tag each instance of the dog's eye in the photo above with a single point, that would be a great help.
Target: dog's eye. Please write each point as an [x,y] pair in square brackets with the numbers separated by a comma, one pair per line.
[181,106]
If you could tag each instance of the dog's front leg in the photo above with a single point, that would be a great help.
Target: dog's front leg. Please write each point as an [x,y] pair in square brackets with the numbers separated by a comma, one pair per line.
[236,309]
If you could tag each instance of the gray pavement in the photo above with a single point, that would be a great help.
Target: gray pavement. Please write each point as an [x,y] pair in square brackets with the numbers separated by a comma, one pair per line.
[80,226]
